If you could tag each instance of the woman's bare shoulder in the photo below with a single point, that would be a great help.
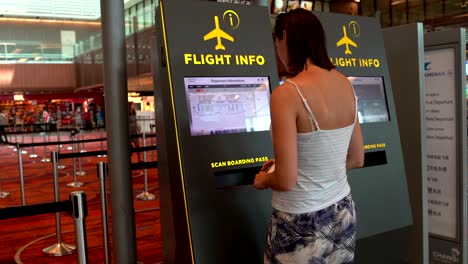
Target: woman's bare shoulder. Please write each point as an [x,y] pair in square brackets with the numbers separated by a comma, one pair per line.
[284,90]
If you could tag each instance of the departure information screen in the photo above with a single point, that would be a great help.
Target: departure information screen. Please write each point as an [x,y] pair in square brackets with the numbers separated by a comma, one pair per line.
[372,102]
[225,105]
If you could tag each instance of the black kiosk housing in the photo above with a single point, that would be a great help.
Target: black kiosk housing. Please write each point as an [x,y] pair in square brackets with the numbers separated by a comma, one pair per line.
[214,70]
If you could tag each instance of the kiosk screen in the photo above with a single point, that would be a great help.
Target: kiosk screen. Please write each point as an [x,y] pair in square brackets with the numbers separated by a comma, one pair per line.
[372,102]
[224,105]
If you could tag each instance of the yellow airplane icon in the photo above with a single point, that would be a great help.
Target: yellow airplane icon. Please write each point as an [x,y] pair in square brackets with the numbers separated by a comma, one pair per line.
[218,34]
[346,41]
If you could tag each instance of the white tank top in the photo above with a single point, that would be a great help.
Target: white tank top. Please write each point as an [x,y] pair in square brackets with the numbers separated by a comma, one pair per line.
[321,168]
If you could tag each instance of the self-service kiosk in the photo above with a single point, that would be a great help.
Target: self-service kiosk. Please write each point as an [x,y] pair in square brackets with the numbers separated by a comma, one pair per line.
[356,48]
[214,73]
[214,70]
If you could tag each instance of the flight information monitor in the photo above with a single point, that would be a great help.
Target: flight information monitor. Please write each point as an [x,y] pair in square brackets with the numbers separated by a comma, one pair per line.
[224,105]
[372,102]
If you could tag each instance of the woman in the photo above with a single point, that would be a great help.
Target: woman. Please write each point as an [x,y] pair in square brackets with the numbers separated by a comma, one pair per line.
[316,139]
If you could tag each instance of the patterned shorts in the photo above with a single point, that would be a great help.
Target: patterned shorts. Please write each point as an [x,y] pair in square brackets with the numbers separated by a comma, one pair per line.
[326,236]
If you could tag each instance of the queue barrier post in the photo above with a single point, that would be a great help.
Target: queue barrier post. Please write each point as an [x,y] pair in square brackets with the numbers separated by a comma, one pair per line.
[33,153]
[58,137]
[72,135]
[81,137]
[102,175]
[21,172]
[75,183]
[153,126]
[22,139]
[102,142]
[80,172]
[16,139]
[8,138]
[45,158]
[72,138]
[59,248]
[3,194]
[145,195]
[79,206]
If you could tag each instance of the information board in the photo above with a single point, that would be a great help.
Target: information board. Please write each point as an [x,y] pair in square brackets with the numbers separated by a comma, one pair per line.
[441,141]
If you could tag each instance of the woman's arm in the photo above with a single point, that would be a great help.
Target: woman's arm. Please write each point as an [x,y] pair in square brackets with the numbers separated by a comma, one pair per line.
[355,158]
[283,120]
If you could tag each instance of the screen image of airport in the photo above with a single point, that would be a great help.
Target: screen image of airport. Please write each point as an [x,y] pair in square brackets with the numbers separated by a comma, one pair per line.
[224,105]
[372,102]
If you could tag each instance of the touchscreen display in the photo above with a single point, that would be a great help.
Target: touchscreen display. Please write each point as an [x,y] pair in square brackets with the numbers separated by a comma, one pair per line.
[224,105]
[372,102]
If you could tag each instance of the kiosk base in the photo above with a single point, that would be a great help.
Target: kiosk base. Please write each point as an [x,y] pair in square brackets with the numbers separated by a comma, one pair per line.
[386,248]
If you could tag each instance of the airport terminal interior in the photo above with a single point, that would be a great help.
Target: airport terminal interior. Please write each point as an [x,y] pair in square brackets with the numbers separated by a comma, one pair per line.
[55,115]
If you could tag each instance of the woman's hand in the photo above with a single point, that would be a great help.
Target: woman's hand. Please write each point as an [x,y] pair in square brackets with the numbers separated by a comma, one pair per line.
[261,180]
[267,165]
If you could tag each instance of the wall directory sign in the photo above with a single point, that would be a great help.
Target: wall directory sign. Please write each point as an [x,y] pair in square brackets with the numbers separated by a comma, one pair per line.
[444,71]
[441,141]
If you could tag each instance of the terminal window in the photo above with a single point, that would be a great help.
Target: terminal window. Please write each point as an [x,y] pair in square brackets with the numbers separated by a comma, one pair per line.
[225,105]
[372,102]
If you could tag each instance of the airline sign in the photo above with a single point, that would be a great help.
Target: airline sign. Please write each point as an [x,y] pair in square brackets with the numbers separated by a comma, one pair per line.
[219,35]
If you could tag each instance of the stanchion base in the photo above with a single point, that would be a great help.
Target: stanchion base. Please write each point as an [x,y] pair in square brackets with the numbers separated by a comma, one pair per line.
[33,156]
[81,173]
[58,250]
[61,167]
[146,196]
[75,184]
[45,160]
[4,194]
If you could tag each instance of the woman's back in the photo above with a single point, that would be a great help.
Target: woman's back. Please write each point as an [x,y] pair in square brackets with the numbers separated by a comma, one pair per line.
[324,107]
[330,97]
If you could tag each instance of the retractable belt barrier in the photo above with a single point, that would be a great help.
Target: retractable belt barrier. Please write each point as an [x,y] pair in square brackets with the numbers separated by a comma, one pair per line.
[53,129]
[35,209]
[20,146]
[62,156]
[76,206]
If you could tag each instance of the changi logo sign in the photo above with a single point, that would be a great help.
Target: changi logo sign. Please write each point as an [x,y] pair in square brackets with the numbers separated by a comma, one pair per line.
[349,43]
[231,23]
[446,257]
[427,66]
[429,73]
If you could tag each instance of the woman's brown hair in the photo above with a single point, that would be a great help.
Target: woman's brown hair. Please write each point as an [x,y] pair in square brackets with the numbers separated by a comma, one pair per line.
[305,39]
